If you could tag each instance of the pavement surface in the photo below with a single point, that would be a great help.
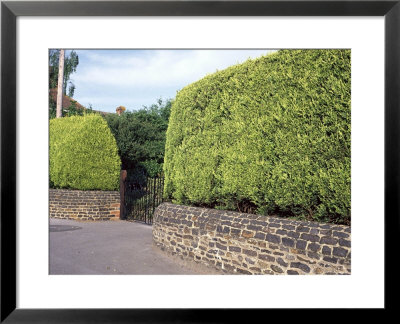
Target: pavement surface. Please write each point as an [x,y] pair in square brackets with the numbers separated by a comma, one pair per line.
[111,247]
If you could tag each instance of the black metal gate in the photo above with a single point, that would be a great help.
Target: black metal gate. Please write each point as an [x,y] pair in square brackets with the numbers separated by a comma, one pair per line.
[142,195]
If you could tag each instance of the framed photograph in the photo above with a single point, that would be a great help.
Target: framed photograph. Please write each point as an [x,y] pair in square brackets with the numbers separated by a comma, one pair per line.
[370,30]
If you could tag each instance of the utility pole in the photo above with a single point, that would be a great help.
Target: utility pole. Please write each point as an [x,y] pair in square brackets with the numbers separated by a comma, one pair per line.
[60,84]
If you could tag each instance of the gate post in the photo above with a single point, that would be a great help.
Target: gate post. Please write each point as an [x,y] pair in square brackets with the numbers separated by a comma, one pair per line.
[122,178]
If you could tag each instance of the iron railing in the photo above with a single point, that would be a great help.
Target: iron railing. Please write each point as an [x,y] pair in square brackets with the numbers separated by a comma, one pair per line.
[142,195]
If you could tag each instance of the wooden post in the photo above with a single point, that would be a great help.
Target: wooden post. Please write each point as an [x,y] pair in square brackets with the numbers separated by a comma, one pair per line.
[60,84]
[122,178]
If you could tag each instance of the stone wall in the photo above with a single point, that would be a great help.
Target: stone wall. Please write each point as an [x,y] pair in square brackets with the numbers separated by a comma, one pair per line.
[84,205]
[239,243]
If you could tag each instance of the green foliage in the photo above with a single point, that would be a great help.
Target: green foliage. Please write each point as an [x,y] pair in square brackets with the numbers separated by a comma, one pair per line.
[71,62]
[71,110]
[272,134]
[83,154]
[140,137]
[52,109]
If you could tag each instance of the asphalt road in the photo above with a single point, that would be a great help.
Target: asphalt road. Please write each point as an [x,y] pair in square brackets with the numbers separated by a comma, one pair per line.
[111,247]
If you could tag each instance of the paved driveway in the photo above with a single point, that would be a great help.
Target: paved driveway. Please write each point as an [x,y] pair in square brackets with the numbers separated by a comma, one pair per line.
[111,247]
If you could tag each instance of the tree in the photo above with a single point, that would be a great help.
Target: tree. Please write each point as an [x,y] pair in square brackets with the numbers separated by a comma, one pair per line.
[140,137]
[60,83]
[70,67]
[71,62]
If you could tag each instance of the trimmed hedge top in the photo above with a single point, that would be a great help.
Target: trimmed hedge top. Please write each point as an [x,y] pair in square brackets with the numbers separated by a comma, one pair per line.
[83,154]
[271,133]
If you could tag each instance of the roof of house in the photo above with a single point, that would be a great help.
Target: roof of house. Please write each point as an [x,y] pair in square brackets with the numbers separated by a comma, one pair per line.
[67,101]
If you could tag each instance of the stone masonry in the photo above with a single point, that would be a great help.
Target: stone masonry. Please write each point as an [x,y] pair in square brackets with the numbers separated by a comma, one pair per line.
[84,205]
[238,243]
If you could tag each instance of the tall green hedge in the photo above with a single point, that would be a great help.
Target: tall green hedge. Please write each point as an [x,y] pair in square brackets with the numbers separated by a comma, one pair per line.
[273,133]
[83,154]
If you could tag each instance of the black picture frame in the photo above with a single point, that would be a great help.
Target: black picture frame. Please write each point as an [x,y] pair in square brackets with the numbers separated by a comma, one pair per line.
[10,10]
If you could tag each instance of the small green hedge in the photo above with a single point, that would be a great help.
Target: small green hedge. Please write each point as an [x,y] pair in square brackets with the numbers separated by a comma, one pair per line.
[83,154]
[272,133]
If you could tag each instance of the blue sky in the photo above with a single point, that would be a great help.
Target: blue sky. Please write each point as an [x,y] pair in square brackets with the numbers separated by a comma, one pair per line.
[107,79]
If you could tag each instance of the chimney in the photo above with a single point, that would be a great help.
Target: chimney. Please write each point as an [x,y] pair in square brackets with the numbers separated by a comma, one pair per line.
[120,110]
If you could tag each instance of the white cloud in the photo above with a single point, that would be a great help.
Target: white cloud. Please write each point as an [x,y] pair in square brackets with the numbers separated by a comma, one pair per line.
[158,68]
[135,78]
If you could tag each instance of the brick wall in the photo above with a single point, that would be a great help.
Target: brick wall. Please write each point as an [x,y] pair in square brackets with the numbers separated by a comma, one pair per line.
[84,205]
[252,244]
